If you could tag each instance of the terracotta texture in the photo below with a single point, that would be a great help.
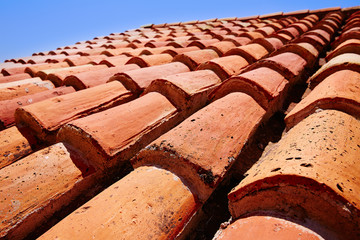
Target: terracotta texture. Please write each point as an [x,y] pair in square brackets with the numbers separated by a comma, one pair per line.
[13,146]
[151,60]
[347,35]
[139,79]
[348,46]
[20,88]
[311,173]
[115,61]
[157,50]
[116,52]
[292,32]
[290,65]
[148,203]
[57,78]
[344,61]
[252,35]
[225,67]
[204,146]
[203,43]
[12,78]
[113,136]
[305,50]
[266,86]
[301,27]
[194,58]
[238,41]
[176,51]
[338,91]
[251,52]
[187,91]
[37,186]
[17,69]
[32,70]
[265,31]
[271,44]
[325,36]
[97,77]
[8,107]
[222,47]
[45,118]
[44,74]
[78,61]
[266,227]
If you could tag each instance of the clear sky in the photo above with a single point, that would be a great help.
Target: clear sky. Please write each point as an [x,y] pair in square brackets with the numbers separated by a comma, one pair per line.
[29,26]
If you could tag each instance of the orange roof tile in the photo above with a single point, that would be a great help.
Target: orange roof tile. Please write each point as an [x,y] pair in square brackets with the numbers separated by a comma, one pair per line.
[171,97]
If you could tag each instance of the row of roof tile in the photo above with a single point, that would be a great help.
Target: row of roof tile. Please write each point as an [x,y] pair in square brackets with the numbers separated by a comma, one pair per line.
[180,115]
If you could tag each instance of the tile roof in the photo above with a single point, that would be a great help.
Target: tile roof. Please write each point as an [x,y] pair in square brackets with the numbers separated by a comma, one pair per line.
[142,134]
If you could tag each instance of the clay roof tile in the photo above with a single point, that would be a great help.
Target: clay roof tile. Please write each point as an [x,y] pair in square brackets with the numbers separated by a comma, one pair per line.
[316,162]
[348,61]
[232,119]
[194,58]
[156,193]
[338,91]
[137,80]
[225,67]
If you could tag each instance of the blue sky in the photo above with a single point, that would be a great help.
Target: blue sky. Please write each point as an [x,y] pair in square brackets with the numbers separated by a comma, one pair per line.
[29,26]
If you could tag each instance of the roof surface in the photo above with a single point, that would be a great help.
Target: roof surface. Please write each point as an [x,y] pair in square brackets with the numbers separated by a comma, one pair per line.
[205,129]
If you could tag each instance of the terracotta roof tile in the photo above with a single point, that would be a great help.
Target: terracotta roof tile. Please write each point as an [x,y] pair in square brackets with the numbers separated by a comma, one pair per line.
[348,46]
[201,159]
[151,60]
[13,146]
[305,50]
[194,58]
[259,227]
[96,77]
[8,107]
[16,69]
[352,33]
[137,123]
[78,61]
[45,118]
[289,64]
[292,32]
[28,185]
[23,87]
[313,166]
[348,61]
[164,201]
[325,36]
[251,52]
[338,91]
[238,41]
[263,84]
[106,125]
[271,44]
[15,77]
[252,35]
[116,52]
[305,11]
[203,43]
[222,47]
[277,14]
[57,77]
[330,9]
[33,70]
[225,67]
[139,79]
[175,51]
[187,91]
[115,61]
